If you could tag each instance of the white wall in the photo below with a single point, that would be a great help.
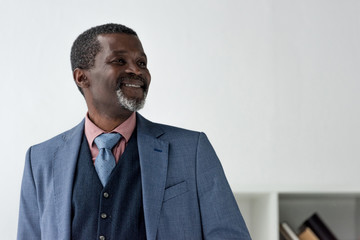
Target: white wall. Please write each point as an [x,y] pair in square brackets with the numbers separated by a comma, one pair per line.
[273,83]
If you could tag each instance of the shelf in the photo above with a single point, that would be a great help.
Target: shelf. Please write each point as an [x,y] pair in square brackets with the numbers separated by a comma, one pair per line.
[260,213]
[263,211]
[340,212]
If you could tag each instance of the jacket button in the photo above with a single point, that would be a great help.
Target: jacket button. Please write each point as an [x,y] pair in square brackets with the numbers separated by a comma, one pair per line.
[103,216]
[106,195]
[102,238]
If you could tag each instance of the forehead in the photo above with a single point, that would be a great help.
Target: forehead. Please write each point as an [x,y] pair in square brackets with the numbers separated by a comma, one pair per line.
[120,42]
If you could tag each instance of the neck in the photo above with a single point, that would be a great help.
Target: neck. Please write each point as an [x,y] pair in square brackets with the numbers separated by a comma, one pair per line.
[106,122]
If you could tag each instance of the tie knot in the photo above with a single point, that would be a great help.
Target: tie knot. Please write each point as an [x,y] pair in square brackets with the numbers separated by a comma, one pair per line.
[107,140]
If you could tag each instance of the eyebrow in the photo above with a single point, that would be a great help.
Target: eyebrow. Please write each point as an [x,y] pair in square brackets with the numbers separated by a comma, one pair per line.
[117,52]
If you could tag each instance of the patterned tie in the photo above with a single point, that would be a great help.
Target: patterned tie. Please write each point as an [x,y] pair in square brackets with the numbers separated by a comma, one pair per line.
[105,161]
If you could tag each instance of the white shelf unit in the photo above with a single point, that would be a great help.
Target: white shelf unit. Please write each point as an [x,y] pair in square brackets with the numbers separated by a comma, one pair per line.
[260,213]
[263,211]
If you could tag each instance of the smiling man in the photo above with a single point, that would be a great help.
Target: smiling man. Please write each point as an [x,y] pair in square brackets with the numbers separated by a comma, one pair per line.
[117,175]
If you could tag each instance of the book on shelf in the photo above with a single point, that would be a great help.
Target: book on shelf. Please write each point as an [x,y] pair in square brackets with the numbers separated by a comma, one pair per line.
[308,234]
[286,232]
[318,227]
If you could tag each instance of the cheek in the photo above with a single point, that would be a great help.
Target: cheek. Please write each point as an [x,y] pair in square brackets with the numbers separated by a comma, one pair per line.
[106,83]
[148,77]
[104,90]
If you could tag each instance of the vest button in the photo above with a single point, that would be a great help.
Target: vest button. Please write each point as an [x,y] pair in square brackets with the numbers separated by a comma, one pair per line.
[102,238]
[106,195]
[103,216]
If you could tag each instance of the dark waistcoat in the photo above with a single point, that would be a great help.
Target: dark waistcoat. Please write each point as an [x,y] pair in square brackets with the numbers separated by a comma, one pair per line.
[111,212]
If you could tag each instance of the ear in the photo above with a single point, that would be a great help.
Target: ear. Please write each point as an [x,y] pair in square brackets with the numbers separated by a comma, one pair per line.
[80,78]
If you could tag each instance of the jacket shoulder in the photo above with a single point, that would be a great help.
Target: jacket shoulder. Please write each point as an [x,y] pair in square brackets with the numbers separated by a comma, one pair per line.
[166,131]
[50,146]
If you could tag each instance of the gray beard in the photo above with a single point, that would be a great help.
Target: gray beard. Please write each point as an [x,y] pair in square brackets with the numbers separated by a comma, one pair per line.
[132,105]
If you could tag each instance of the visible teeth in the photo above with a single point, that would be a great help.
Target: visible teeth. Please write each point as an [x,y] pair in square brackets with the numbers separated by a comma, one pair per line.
[132,85]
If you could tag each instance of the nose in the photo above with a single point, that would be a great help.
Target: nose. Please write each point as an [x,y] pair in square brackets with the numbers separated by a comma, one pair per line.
[133,68]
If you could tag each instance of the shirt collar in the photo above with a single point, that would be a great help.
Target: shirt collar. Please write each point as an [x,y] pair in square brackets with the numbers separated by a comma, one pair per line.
[125,129]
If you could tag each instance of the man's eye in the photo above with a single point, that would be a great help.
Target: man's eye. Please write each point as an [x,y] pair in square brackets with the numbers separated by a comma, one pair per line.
[142,64]
[120,61]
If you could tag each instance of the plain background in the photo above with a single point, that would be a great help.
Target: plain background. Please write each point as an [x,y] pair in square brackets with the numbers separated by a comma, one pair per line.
[273,83]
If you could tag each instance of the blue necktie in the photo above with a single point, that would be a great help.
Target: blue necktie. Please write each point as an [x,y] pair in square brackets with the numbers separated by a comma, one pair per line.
[105,161]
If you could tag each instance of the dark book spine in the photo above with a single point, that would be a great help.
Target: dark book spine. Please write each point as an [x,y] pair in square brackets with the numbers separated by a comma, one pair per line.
[319,228]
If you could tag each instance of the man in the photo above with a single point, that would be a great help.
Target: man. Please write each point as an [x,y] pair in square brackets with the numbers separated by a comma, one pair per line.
[150,181]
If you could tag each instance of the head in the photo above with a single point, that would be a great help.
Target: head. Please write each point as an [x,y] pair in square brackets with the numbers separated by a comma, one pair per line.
[110,69]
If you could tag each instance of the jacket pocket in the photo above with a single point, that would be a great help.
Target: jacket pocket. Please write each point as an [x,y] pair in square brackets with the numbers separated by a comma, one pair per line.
[175,190]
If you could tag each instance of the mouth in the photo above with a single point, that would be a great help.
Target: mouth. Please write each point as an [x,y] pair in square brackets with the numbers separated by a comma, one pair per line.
[132,87]
[133,83]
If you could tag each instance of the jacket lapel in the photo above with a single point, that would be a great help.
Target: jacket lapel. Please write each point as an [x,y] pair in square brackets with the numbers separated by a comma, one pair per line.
[64,169]
[153,154]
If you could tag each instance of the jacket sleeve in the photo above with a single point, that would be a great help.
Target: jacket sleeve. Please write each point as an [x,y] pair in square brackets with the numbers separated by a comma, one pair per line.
[29,219]
[220,215]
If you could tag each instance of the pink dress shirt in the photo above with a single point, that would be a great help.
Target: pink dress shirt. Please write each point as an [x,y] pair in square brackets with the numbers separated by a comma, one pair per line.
[125,129]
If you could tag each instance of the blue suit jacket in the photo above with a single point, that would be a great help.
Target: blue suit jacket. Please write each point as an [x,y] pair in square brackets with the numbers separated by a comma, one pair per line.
[185,192]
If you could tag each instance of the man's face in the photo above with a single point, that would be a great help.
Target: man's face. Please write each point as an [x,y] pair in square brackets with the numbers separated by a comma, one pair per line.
[119,79]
